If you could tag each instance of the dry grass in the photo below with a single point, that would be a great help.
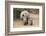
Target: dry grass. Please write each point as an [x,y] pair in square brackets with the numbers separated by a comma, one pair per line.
[19,23]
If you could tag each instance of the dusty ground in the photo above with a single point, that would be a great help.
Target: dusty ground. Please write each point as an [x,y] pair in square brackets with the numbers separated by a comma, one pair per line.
[19,23]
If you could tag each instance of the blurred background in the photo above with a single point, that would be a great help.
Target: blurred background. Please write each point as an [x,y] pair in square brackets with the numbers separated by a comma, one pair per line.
[17,11]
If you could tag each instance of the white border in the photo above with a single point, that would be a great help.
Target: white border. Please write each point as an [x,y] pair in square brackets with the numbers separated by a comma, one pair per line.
[27,28]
